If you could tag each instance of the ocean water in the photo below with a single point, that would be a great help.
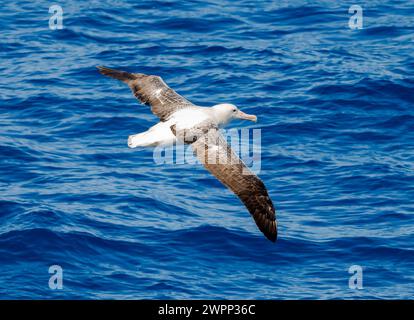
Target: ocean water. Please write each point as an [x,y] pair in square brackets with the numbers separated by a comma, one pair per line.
[335,109]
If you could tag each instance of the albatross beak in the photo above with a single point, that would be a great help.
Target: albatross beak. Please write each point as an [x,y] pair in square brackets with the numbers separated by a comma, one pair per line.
[245,116]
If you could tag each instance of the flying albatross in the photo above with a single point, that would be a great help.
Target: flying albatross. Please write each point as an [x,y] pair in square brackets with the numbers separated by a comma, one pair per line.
[182,121]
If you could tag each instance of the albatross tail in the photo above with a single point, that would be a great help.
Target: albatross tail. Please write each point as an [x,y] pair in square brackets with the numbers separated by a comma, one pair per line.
[158,135]
[116,74]
[142,139]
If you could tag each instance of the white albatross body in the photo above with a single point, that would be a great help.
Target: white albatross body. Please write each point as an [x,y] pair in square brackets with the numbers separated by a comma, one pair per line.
[161,134]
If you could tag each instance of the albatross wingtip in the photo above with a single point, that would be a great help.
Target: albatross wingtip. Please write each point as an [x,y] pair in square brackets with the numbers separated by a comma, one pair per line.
[271,232]
[116,74]
[103,68]
[272,237]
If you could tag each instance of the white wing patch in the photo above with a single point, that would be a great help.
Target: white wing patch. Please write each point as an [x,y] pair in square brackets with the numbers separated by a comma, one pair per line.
[188,118]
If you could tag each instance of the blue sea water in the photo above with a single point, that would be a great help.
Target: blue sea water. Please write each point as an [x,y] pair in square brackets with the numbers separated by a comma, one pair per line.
[335,107]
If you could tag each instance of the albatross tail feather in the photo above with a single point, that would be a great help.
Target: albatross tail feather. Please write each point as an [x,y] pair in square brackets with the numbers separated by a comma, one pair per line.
[117,74]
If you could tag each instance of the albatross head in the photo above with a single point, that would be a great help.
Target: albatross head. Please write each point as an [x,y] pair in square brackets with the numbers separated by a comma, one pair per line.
[225,112]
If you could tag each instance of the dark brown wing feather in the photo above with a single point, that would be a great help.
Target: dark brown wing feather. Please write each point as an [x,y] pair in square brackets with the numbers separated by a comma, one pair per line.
[218,158]
[152,91]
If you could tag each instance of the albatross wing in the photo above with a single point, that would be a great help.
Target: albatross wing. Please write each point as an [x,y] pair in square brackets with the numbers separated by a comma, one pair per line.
[218,158]
[152,91]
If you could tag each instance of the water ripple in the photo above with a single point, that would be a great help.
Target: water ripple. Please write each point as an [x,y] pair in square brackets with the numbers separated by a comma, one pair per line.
[335,109]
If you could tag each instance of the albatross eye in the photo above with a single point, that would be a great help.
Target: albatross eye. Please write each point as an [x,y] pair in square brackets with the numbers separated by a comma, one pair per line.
[234,110]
